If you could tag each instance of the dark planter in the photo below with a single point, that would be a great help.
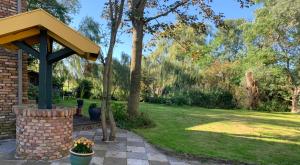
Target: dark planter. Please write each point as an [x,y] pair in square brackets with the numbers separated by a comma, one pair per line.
[94,113]
[79,107]
[79,103]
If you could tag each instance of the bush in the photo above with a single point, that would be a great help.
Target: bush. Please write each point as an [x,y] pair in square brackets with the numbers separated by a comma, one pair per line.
[33,92]
[215,99]
[124,121]
[84,89]
[273,106]
[179,100]
[93,105]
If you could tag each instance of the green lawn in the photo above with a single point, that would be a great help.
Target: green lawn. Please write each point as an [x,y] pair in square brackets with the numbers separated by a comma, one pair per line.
[251,137]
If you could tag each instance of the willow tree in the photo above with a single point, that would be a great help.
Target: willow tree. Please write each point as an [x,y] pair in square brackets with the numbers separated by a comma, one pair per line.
[145,17]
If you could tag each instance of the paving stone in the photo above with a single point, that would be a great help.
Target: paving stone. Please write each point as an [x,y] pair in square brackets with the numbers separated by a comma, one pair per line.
[136,149]
[100,153]
[128,148]
[137,162]
[115,161]
[179,163]
[136,144]
[63,160]
[7,146]
[90,133]
[137,155]
[60,163]
[32,162]
[100,147]
[152,162]
[157,157]
[121,139]
[98,138]
[150,149]
[121,130]
[132,139]
[12,162]
[121,135]
[115,154]
[117,146]
[97,160]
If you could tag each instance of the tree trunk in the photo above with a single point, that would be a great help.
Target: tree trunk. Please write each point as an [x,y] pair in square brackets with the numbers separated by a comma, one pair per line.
[252,90]
[135,67]
[103,104]
[107,83]
[112,122]
[295,99]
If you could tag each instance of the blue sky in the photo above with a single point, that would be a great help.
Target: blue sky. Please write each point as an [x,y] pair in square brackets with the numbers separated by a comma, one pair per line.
[93,8]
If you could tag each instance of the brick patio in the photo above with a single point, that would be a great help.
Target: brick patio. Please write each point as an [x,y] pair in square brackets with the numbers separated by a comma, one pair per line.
[129,149]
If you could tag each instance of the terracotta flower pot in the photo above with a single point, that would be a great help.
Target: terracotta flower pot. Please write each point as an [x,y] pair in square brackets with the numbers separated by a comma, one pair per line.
[80,159]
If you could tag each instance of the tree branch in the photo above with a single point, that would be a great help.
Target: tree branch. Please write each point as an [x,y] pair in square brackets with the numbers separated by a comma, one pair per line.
[171,9]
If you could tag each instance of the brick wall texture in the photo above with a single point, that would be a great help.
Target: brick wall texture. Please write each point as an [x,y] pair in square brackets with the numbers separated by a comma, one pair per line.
[43,134]
[9,78]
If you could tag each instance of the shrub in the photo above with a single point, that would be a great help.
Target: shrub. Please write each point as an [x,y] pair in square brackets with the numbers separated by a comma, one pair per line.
[179,100]
[93,105]
[33,92]
[273,106]
[84,89]
[124,121]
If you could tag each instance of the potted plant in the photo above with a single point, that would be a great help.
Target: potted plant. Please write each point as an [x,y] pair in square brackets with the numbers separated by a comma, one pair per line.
[94,112]
[79,106]
[82,152]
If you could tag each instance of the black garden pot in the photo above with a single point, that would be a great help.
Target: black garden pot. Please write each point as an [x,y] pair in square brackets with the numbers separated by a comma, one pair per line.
[94,113]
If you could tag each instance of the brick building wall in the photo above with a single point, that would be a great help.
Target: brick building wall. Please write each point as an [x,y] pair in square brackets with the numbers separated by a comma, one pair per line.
[9,78]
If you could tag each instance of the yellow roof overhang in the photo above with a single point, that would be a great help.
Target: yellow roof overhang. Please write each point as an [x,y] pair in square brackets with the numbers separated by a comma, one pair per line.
[26,27]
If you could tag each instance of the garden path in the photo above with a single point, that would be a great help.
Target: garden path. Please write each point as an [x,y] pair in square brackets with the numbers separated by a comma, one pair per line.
[129,149]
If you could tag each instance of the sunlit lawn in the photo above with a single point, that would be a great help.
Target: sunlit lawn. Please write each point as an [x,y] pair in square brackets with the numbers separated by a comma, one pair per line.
[250,137]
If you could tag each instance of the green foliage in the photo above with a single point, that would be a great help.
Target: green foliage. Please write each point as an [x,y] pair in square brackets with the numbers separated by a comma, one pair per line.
[33,92]
[61,9]
[121,77]
[124,121]
[273,106]
[214,99]
[93,105]
[84,89]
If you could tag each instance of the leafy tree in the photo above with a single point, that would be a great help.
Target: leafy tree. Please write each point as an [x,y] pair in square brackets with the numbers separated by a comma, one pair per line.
[144,14]
[276,28]
[61,9]
[113,13]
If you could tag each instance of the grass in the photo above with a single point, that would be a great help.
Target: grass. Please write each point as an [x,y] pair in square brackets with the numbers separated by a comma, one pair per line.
[251,137]
[246,136]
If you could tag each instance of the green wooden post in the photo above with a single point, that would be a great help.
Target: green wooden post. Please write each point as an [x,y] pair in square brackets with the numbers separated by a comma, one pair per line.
[49,78]
[43,73]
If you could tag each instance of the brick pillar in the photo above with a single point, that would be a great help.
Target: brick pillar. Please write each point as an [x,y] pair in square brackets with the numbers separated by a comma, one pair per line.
[9,78]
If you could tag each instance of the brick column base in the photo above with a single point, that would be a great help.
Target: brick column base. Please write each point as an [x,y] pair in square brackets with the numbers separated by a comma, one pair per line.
[43,134]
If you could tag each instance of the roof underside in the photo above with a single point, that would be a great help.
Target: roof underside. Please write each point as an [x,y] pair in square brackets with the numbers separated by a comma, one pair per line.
[26,27]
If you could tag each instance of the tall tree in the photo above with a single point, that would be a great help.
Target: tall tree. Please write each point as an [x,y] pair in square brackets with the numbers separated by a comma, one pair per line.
[277,27]
[142,19]
[114,13]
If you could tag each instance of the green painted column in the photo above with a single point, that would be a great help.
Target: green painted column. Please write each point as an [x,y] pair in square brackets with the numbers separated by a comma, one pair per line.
[43,71]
